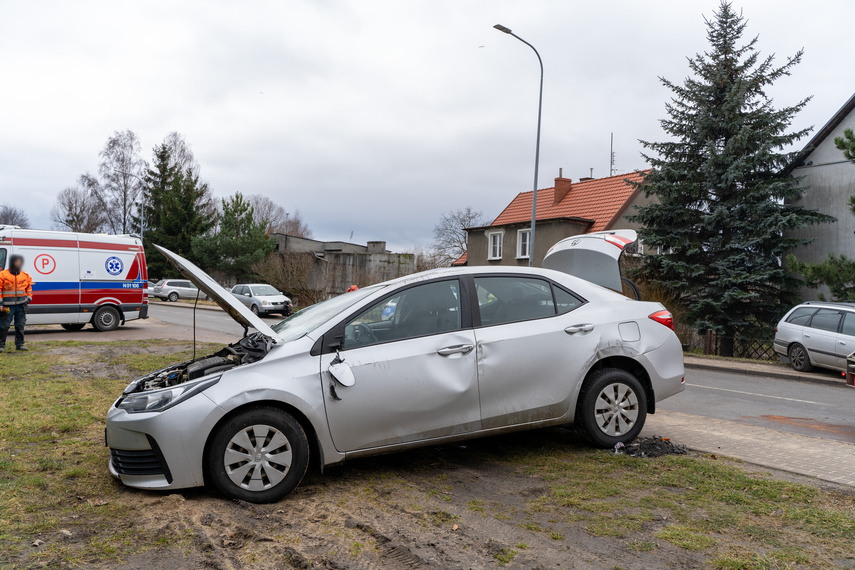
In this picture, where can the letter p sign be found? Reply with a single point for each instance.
(44, 264)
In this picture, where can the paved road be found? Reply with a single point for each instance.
(784, 405)
(205, 319)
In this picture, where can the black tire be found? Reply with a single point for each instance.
(73, 326)
(601, 383)
(254, 309)
(256, 421)
(106, 319)
(799, 358)
(172, 297)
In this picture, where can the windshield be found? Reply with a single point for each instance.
(264, 290)
(160, 283)
(300, 323)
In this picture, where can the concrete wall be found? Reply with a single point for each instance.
(546, 234)
(829, 180)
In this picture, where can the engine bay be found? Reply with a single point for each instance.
(247, 350)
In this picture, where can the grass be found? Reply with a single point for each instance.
(52, 454)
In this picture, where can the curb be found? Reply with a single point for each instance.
(185, 306)
(770, 374)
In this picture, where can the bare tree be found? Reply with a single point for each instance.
(278, 220)
(13, 216)
(182, 155)
(428, 259)
(120, 170)
(77, 209)
(449, 235)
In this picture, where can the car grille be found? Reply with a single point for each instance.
(140, 462)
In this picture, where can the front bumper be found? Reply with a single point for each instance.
(161, 450)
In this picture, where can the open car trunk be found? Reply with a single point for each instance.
(593, 257)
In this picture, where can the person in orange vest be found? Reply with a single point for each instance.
(16, 292)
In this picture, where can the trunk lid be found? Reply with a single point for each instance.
(593, 257)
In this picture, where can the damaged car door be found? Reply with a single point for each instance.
(534, 339)
(404, 379)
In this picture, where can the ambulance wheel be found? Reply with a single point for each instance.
(106, 319)
(73, 326)
(172, 297)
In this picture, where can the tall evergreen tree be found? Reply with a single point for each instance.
(722, 206)
(177, 208)
(239, 241)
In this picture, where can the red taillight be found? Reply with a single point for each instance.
(663, 317)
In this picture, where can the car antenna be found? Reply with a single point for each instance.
(194, 323)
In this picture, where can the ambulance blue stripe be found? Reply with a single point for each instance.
(74, 285)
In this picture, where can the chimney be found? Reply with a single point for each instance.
(562, 188)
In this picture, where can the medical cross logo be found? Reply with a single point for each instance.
(114, 266)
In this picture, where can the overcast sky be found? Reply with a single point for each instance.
(372, 117)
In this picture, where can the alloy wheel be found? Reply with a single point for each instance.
(798, 357)
(257, 457)
(616, 409)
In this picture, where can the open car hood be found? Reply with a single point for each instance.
(223, 298)
(593, 257)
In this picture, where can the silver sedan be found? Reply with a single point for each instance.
(467, 352)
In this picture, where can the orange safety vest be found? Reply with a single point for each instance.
(15, 289)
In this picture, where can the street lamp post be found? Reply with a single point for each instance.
(502, 28)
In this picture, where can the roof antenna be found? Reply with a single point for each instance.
(612, 156)
(591, 173)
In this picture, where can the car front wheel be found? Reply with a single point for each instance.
(612, 407)
(259, 455)
(799, 358)
(254, 309)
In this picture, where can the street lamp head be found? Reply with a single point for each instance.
(502, 28)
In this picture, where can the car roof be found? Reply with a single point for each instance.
(837, 304)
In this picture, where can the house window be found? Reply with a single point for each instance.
(494, 240)
(523, 243)
(663, 250)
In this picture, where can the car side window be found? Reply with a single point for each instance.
(826, 320)
(239, 290)
(565, 301)
(2, 259)
(801, 316)
(848, 324)
(428, 309)
(512, 299)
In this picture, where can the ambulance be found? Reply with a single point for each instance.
(80, 278)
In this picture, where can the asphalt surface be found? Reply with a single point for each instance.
(212, 320)
(793, 406)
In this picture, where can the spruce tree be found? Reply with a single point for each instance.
(239, 241)
(722, 207)
(177, 208)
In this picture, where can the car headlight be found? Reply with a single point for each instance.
(160, 400)
(265, 302)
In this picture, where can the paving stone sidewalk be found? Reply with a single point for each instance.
(771, 369)
(825, 459)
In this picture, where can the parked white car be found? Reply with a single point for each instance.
(467, 352)
(817, 334)
(262, 299)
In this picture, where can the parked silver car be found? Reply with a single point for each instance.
(174, 289)
(468, 352)
(262, 299)
(817, 334)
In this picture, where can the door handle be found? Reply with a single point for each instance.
(841, 343)
(573, 329)
(457, 349)
(807, 336)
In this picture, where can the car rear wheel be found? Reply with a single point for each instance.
(260, 455)
(799, 358)
(173, 297)
(612, 407)
(73, 326)
(106, 319)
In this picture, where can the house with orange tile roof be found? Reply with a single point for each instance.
(568, 208)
